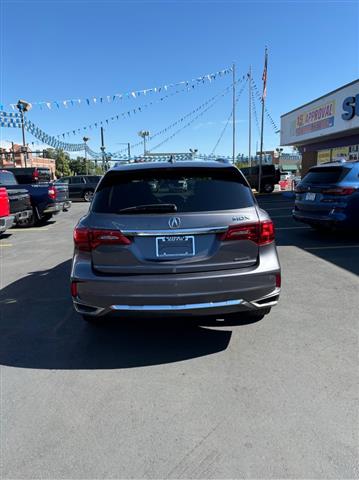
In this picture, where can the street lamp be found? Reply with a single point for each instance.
(23, 107)
(193, 151)
(143, 134)
(279, 151)
(86, 139)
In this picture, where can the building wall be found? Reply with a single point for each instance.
(15, 158)
(326, 116)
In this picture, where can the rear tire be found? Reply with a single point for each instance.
(267, 188)
(88, 195)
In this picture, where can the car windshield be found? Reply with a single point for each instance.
(325, 175)
(184, 191)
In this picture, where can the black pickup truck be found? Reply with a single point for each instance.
(270, 177)
(46, 199)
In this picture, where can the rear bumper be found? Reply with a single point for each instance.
(192, 294)
(58, 207)
(332, 218)
(24, 215)
(6, 222)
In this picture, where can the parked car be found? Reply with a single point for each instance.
(80, 186)
(6, 220)
(208, 249)
(30, 175)
(328, 196)
(270, 177)
(20, 203)
(46, 199)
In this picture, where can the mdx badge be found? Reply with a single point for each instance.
(240, 218)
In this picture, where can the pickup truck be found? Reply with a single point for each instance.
(6, 220)
(270, 177)
(46, 199)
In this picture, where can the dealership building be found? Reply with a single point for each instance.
(325, 129)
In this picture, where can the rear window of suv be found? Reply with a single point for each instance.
(191, 190)
(325, 175)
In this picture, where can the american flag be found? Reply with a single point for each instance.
(264, 76)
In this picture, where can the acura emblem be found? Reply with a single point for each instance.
(174, 222)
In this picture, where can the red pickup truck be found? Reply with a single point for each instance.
(6, 220)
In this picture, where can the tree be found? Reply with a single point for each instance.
(61, 161)
(62, 164)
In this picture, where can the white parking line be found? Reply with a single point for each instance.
(329, 247)
(279, 208)
(28, 229)
(5, 244)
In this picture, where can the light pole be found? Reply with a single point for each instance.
(86, 139)
(128, 148)
(279, 151)
(143, 134)
(23, 107)
(193, 152)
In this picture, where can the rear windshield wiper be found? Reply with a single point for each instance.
(156, 207)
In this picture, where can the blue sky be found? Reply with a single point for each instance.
(55, 50)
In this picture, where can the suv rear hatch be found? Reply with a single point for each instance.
(172, 220)
(321, 188)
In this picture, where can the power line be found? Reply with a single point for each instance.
(182, 119)
(229, 118)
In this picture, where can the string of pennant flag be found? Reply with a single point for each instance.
(124, 115)
(182, 119)
(58, 104)
(218, 97)
(269, 116)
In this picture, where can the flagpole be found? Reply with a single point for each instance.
(264, 94)
(234, 114)
(250, 116)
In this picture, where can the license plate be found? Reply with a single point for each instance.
(175, 246)
(310, 196)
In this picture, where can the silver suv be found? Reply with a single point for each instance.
(149, 247)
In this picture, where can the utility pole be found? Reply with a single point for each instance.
(102, 148)
(250, 116)
(234, 114)
(129, 150)
(23, 107)
(264, 94)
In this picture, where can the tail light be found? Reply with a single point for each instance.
(340, 191)
(74, 289)
(87, 239)
(260, 233)
(278, 280)
(52, 192)
(35, 175)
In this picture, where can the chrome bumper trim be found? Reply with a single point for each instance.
(182, 231)
(177, 308)
(6, 222)
(270, 302)
(87, 309)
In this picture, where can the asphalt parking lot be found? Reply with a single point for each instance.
(271, 399)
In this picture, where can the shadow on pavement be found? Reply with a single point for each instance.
(39, 329)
